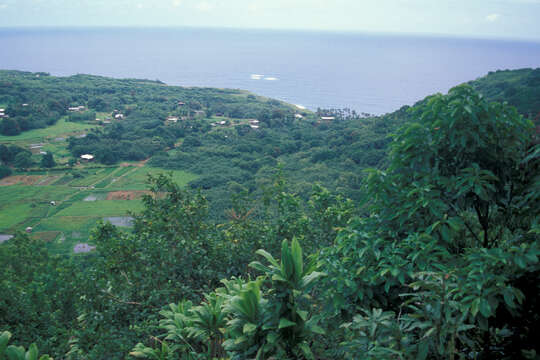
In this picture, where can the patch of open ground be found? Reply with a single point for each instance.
(121, 221)
(127, 195)
(20, 180)
(83, 248)
(46, 236)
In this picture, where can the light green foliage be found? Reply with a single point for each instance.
(13, 352)
(270, 317)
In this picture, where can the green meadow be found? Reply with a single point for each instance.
(61, 128)
(80, 201)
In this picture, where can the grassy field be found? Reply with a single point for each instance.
(62, 127)
(79, 195)
(72, 217)
(101, 208)
(136, 179)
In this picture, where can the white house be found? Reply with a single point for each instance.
(87, 157)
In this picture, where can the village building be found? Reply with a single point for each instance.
(75, 108)
(328, 118)
(298, 116)
(87, 157)
(181, 103)
(29, 229)
(254, 121)
(119, 116)
(172, 119)
(223, 122)
(254, 126)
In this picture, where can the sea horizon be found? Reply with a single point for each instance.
(374, 73)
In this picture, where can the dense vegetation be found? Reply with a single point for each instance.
(435, 257)
(520, 88)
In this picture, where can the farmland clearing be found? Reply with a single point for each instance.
(62, 205)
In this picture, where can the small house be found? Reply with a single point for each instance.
(254, 126)
(87, 157)
(172, 119)
(119, 116)
(223, 122)
(28, 229)
(298, 116)
(328, 118)
(53, 203)
(181, 103)
(254, 121)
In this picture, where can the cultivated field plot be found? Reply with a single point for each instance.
(62, 207)
(136, 179)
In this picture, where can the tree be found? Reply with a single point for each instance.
(23, 160)
(10, 127)
(464, 157)
(47, 161)
(451, 246)
(4, 171)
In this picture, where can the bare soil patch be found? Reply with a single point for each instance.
(21, 180)
(127, 195)
(46, 236)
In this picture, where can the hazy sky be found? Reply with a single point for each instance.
(478, 18)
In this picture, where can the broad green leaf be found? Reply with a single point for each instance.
(283, 323)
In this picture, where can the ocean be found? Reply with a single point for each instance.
(366, 72)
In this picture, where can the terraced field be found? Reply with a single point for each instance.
(63, 206)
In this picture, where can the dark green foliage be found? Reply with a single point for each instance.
(4, 171)
(85, 116)
(8, 153)
(10, 127)
(450, 248)
(520, 88)
(38, 294)
(438, 260)
(47, 161)
(23, 160)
